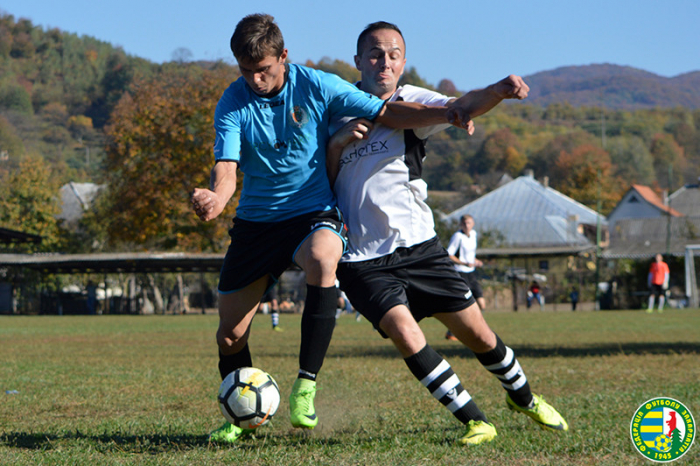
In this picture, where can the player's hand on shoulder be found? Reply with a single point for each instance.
(512, 87)
(352, 131)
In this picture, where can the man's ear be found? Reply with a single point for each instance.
(357, 62)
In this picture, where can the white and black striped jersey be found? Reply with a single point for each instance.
(379, 186)
(464, 248)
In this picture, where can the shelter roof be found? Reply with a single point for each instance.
(115, 263)
(8, 236)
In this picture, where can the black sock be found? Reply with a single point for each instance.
(438, 377)
(230, 362)
(502, 363)
(317, 323)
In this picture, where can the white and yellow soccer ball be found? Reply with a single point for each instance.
(249, 397)
(663, 443)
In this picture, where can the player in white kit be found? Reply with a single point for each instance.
(395, 271)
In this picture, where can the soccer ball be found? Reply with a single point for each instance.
(249, 397)
(663, 443)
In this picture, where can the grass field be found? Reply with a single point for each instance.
(117, 390)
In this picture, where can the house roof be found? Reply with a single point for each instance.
(652, 198)
(76, 198)
(636, 238)
(686, 200)
(528, 214)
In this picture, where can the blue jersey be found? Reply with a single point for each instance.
(279, 142)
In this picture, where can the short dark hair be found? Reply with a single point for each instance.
(257, 36)
(376, 27)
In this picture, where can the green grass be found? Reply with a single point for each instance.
(117, 390)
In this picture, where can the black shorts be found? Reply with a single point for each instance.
(268, 248)
(473, 282)
(657, 290)
(421, 277)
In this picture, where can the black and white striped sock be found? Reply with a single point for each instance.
(437, 376)
(502, 363)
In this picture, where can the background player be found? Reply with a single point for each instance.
(462, 251)
(657, 280)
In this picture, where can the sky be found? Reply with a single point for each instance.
(473, 43)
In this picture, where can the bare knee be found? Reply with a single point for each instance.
(319, 256)
(470, 328)
(231, 340)
(320, 269)
(403, 330)
(482, 341)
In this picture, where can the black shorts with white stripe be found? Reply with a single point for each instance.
(421, 277)
(267, 248)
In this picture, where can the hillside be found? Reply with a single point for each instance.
(75, 109)
(613, 86)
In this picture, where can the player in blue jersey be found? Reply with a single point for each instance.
(272, 124)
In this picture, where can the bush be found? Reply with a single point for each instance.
(16, 98)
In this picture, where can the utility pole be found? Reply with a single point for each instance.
(598, 209)
(668, 212)
(597, 247)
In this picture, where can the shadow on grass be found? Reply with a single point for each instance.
(452, 349)
(152, 443)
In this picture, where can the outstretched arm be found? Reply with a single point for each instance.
(209, 203)
(477, 102)
(409, 115)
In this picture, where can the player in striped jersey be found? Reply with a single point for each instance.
(395, 271)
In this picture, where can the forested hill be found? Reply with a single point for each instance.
(77, 109)
(613, 87)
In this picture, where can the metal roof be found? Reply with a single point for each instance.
(529, 214)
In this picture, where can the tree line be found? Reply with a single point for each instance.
(77, 109)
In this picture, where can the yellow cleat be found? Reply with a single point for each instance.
(478, 432)
(301, 404)
(228, 433)
(541, 412)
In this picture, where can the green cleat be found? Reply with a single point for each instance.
(542, 413)
(228, 433)
(301, 404)
(277, 329)
(479, 432)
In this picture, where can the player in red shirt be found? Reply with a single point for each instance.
(658, 282)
